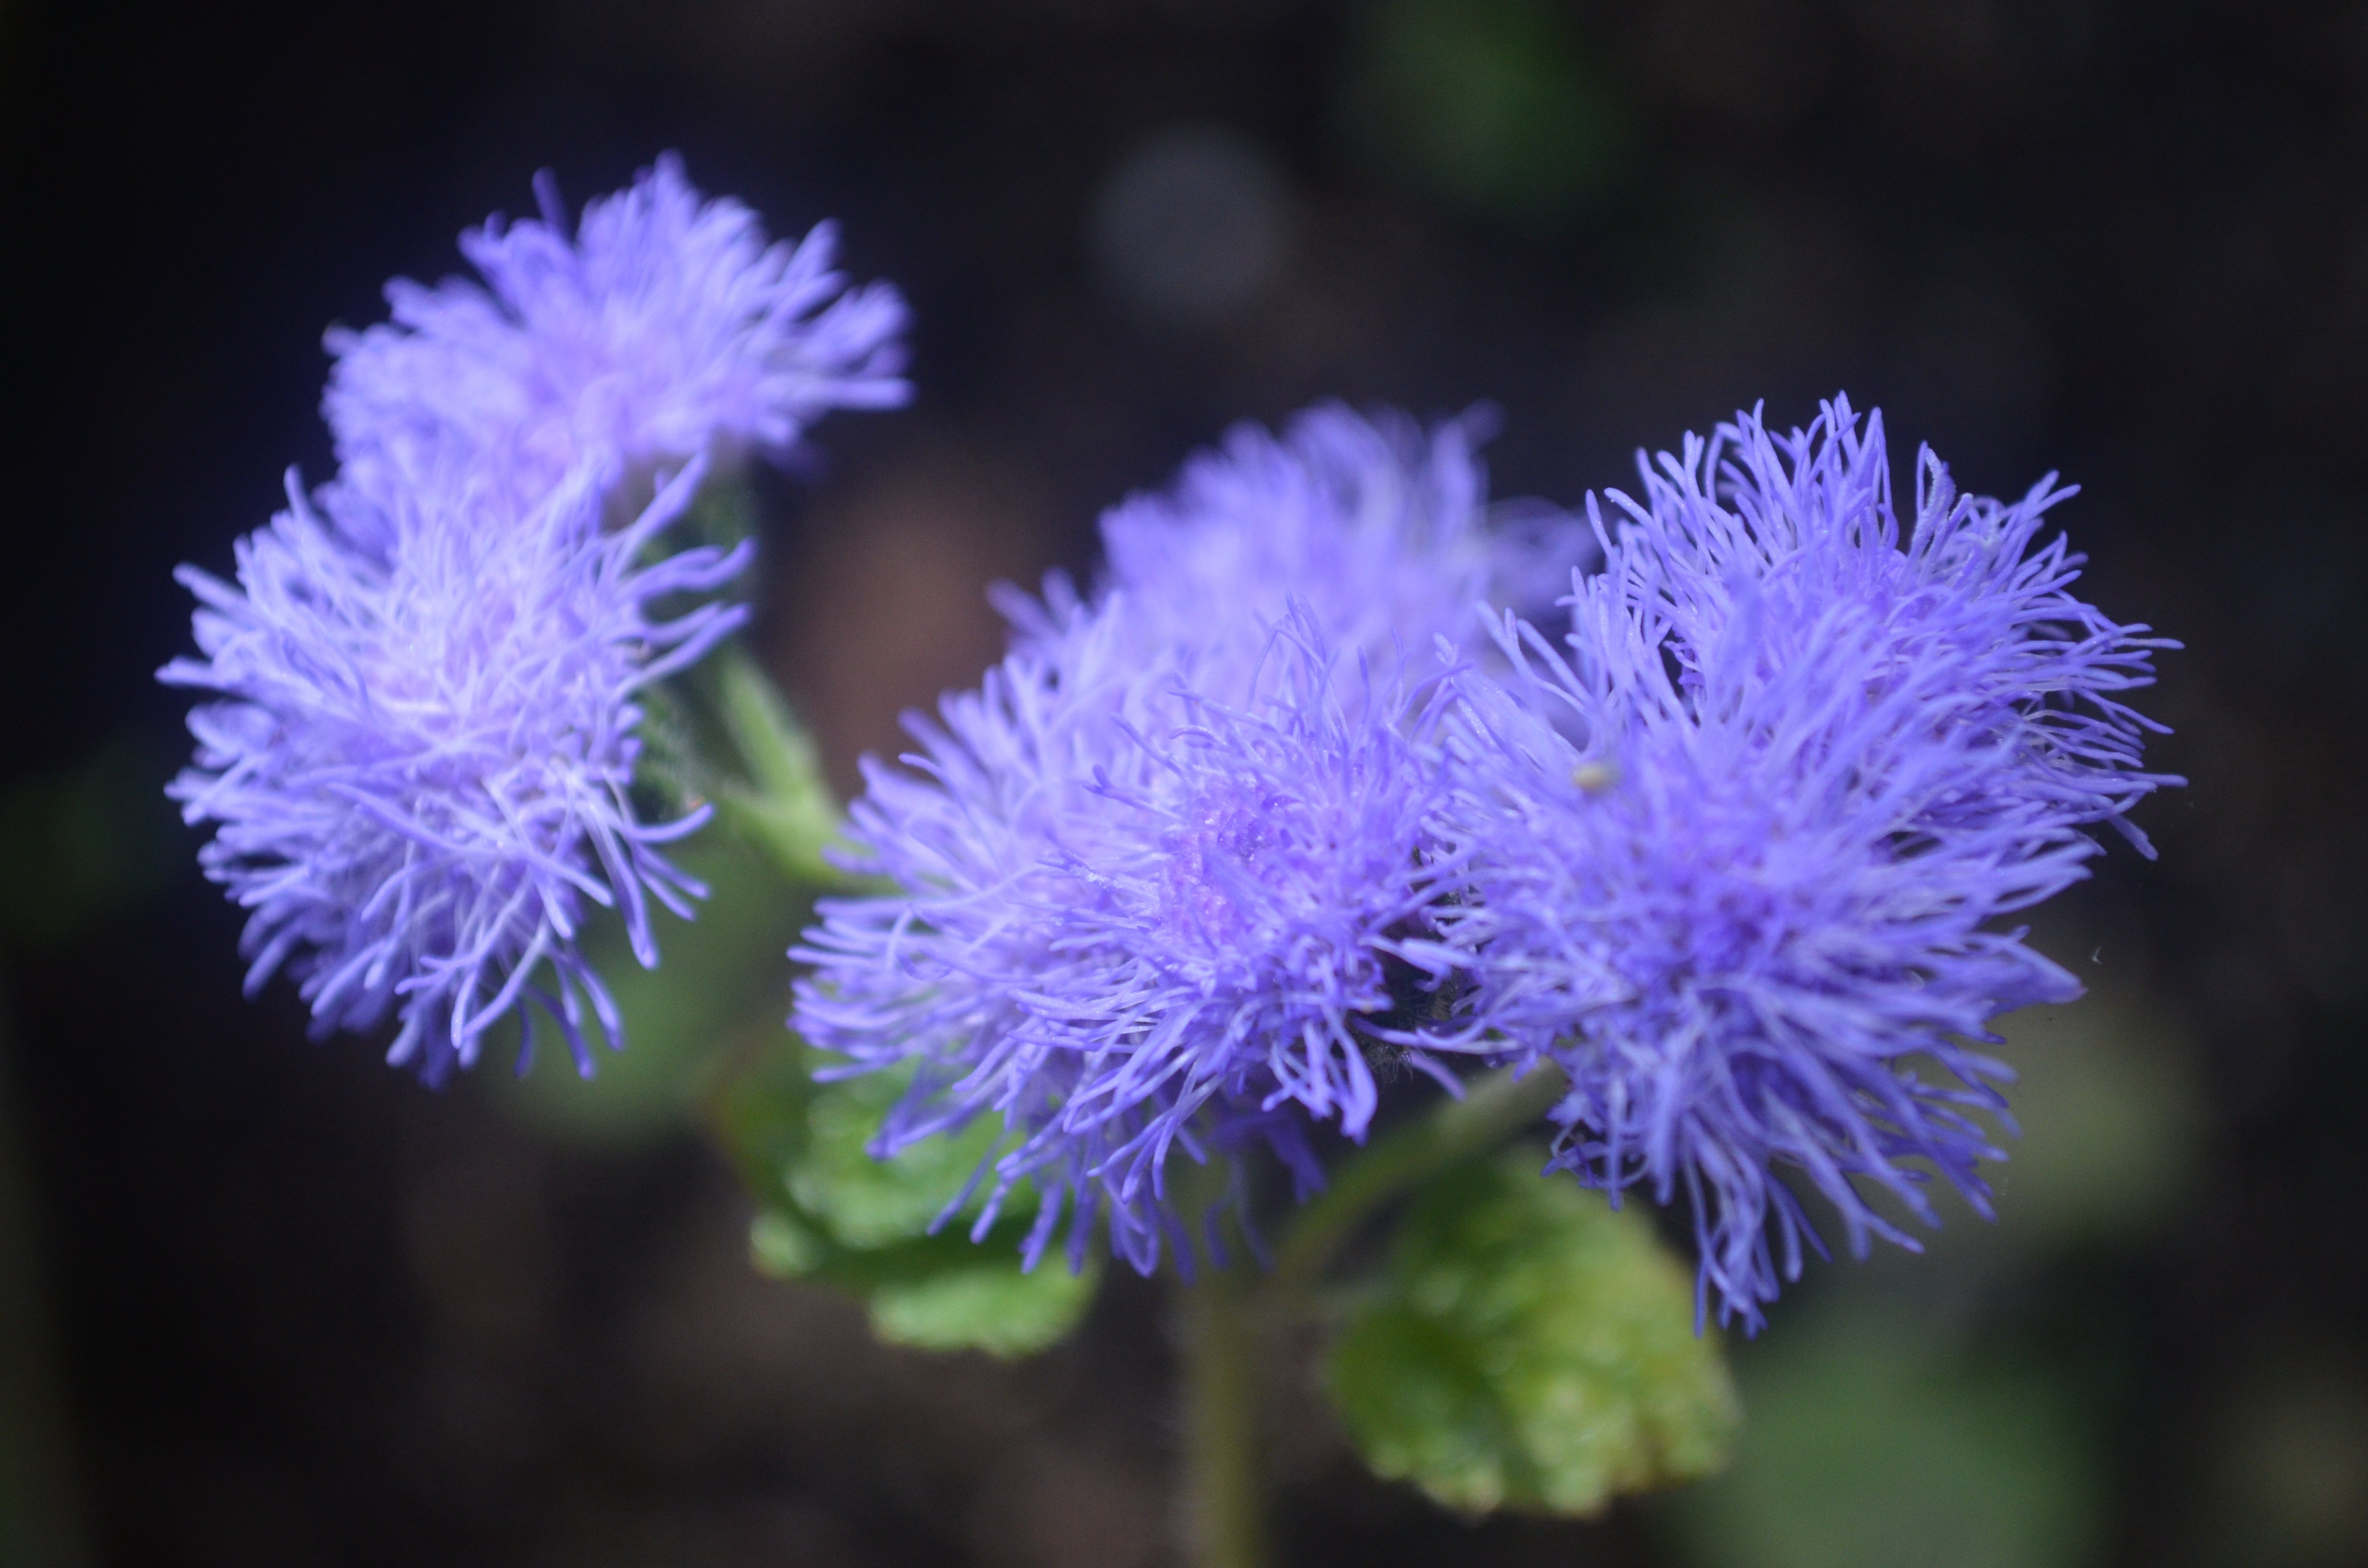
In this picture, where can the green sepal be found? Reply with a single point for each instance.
(784, 806)
(830, 1212)
(1530, 1347)
(724, 734)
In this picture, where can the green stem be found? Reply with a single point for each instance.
(1491, 1110)
(1222, 1312)
(786, 806)
(1224, 1492)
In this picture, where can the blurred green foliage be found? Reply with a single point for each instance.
(783, 805)
(832, 1212)
(2110, 1118)
(1492, 104)
(1531, 1347)
(1870, 1447)
(721, 735)
(85, 843)
(720, 974)
(1895, 1415)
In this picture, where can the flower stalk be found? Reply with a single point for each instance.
(1224, 1314)
(1223, 1490)
(1492, 1111)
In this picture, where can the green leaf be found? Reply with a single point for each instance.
(989, 1305)
(1530, 1347)
(868, 1203)
(783, 1247)
(725, 512)
(831, 1213)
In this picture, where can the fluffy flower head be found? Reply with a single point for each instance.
(419, 764)
(1738, 860)
(665, 328)
(1132, 917)
(1769, 541)
(1382, 529)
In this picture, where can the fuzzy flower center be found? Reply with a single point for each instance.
(1216, 856)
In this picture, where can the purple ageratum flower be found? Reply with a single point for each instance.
(1163, 878)
(1132, 918)
(419, 770)
(667, 328)
(1738, 864)
(1382, 529)
(1802, 527)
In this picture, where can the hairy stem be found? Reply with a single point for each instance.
(1225, 1493)
(1493, 1110)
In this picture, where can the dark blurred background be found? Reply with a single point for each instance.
(264, 1301)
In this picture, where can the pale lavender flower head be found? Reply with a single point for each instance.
(1134, 919)
(1738, 863)
(419, 768)
(1383, 530)
(667, 328)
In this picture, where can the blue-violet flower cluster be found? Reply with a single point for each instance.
(1278, 807)
(420, 757)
